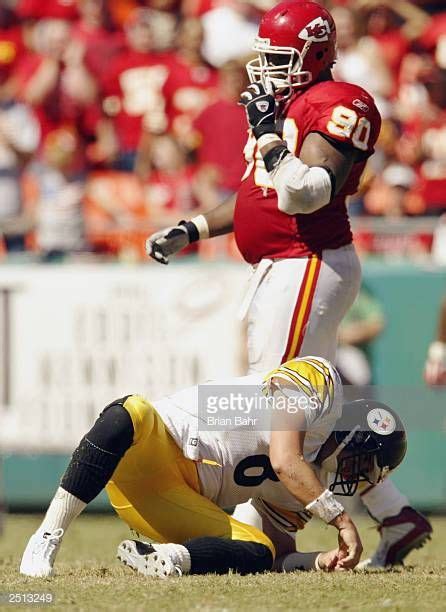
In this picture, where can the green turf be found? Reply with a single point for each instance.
(89, 578)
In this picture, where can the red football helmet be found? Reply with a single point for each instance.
(296, 42)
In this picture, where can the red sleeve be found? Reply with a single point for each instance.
(345, 113)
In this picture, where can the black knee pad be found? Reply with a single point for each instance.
(113, 430)
(99, 452)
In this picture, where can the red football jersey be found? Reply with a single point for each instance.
(345, 113)
(188, 89)
(133, 95)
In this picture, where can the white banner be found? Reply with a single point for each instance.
(73, 338)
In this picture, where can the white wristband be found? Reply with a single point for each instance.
(202, 226)
(326, 507)
(266, 139)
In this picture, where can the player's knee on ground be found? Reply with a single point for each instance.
(211, 555)
(99, 452)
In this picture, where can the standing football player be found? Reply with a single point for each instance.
(309, 140)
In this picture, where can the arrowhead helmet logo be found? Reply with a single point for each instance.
(262, 106)
(316, 31)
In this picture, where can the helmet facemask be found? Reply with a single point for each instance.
(362, 461)
(283, 77)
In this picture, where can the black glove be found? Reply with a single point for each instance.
(169, 241)
(260, 109)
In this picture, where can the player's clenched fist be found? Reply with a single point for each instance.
(167, 242)
(260, 109)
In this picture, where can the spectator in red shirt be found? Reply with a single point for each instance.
(133, 90)
(423, 144)
(192, 82)
(54, 80)
(220, 159)
(96, 32)
(170, 188)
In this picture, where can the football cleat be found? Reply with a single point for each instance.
(40, 553)
(145, 559)
(400, 535)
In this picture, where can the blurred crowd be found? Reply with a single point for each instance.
(121, 116)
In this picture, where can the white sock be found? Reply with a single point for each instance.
(179, 555)
(63, 509)
(384, 500)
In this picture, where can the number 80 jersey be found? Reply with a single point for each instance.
(344, 113)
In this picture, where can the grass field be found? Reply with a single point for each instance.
(89, 577)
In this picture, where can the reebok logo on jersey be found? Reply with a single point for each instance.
(361, 105)
(315, 31)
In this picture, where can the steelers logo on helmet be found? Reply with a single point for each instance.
(381, 421)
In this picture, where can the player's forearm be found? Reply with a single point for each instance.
(298, 477)
(161, 245)
(220, 219)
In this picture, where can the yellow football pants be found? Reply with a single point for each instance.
(155, 488)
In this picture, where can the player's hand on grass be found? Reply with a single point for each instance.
(260, 108)
(350, 546)
(328, 560)
(169, 241)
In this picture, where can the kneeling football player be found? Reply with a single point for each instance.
(169, 477)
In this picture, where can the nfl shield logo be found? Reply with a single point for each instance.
(262, 106)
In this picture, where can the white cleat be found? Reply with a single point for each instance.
(40, 553)
(145, 559)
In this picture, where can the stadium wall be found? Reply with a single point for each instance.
(75, 337)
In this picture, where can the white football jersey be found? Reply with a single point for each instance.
(226, 425)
